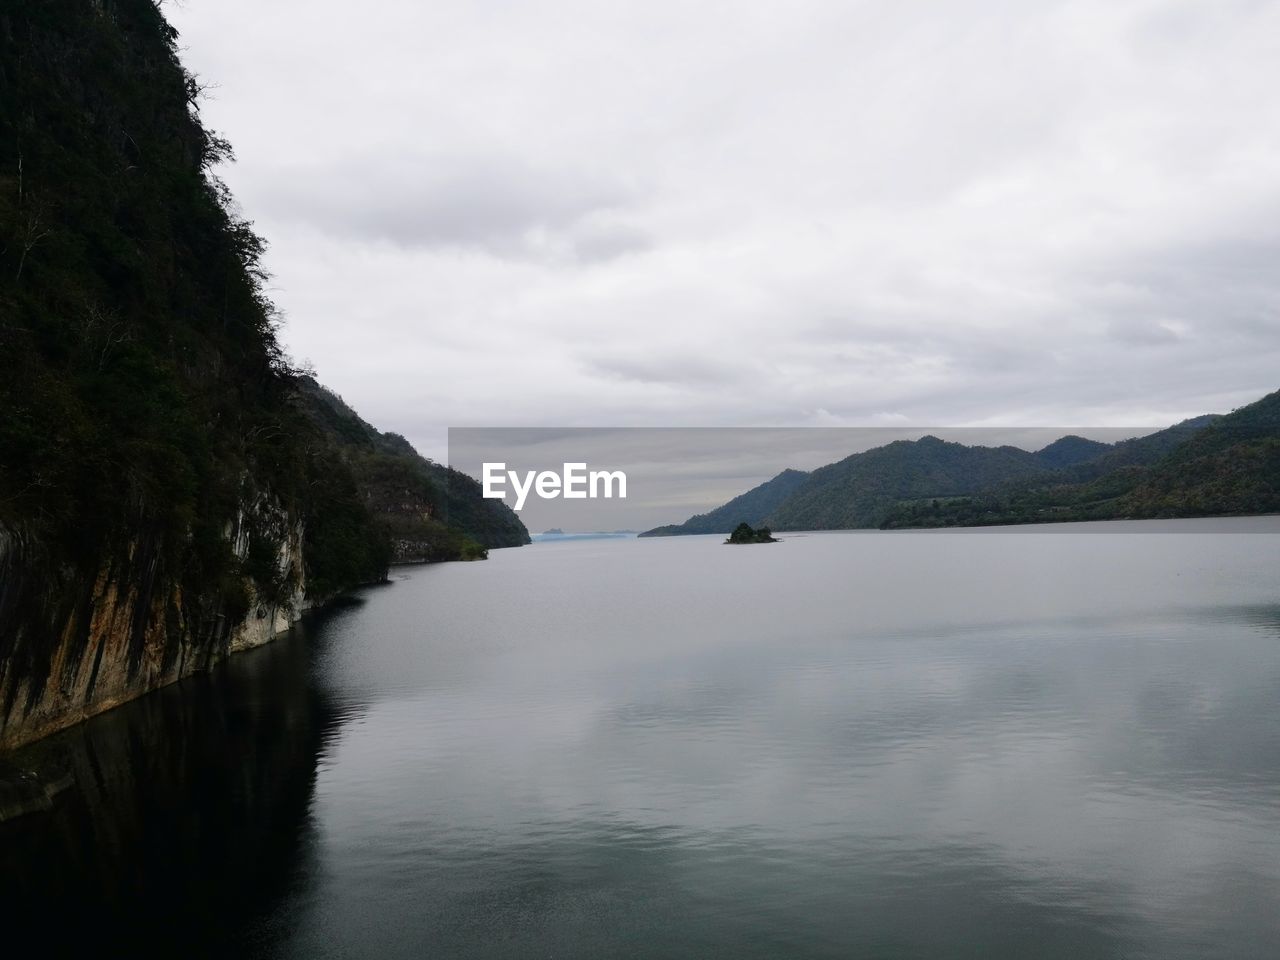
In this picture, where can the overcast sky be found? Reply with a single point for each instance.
(735, 213)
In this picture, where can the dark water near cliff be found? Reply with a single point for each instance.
(1031, 744)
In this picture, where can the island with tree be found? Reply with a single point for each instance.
(745, 533)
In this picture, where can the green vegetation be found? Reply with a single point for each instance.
(143, 386)
(744, 533)
(1207, 466)
(861, 490)
(1211, 466)
(1069, 450)
(428, 511)
(151, 425)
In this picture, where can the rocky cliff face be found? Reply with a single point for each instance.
(83, 642)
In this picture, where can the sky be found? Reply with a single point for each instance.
(801, 213)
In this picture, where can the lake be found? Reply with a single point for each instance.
(1003, 744)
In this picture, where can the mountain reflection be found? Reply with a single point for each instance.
(189, 817)
(615, 749)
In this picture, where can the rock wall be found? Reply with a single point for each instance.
(74, 643)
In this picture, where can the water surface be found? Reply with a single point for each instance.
(1048, 743)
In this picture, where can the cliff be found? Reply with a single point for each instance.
(95, 637)
(166, 498)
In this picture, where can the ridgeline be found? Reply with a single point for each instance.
(1207, 466)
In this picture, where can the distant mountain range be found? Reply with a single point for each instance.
(1208, 466)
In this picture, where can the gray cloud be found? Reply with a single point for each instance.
(671, 369)
(821, 213)
(1139, 332)
(496, 203)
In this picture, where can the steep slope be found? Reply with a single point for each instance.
(750, 507)
(1229, 466)
(1239, 480)
(861, 490)
(1259, 420)
(429, 511)
(1137, 451)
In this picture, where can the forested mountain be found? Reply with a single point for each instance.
(166, 494)
(1137, 451)
(430, 511)
(1210, 466)
(751, 508)
(1070, 450)
(1207, 466)
(860, 490)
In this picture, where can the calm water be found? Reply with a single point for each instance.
(1031, 744)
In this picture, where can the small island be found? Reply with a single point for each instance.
(743, 533)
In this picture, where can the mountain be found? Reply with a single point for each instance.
(429, 511)
(1138, 451)
(1230, 465)
(169, 491)
(862, 489)
(1070, 450)
(1208, 466)
(1259, 420)
(751, 508)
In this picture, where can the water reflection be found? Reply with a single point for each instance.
(189, 819)
(844, 746)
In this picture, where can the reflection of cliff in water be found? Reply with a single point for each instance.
(188, 819)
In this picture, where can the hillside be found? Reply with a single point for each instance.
(1071, 450)
(165, 499)
(1209, 466)
(428, 510)
(1137, 451)
(751, 507)
(861, 490)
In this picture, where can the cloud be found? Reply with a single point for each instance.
(1142, 333)
(499, 204)
(672, 369)
(981, 211)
